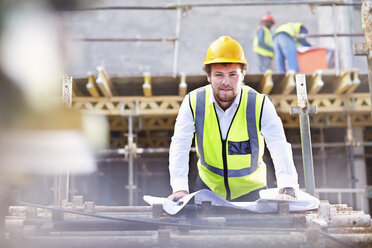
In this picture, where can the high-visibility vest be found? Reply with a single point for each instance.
(268, 40)
(291, 28)
(232, 167)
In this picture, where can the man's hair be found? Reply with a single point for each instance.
(208, 68)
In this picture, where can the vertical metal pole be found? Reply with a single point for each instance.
(367, 20)
(307, 154)
(63, 178)
(349, 139)
(130, 161)
(324, 163)
(176, 43)
(337, 56)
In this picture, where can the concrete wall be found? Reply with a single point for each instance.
(199, 27)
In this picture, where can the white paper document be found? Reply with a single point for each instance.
(266, 204)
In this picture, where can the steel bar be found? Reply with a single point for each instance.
(176, 43)
(166, 39)
(324, 160)
(221, 4)
(331, 35)
(215, 241)
(120, 151)
(160, 222)
(350, 220)
(64, 178)
(367, 20)
(339, 240)
(98, 225)
(349, 138)
(86, 242)
(131, 186)
(259, 3)
(125, 8)
(104, 233)
(337, 56)
(307, 155)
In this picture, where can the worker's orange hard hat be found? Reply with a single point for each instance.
(268, 17)
(225, 50)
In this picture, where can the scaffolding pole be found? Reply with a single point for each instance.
(223, 4)
(176, 42)
(365, 49)
(303, 109)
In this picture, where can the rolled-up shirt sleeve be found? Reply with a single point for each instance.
(280, 149)
(180, 147)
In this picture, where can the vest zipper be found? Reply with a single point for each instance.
(225, 170)
(224, 156)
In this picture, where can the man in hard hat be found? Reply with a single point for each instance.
(230, 122)
(263, 43)
(285, 45)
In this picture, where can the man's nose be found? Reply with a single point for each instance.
(225, 81)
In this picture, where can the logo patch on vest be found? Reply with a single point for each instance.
(239, 148)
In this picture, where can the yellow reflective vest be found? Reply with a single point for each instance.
(291, 28)
(268, 40)
(232, 167)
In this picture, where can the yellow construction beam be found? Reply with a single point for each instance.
(182, 88)
(287, 84)
(104, 83)
(169, 105)
(92, 87)
(355, 82)
(341, 84)
(147, 90)
(316, 83)
(266, 83)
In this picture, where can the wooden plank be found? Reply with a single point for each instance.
(266, 83)
(147, 88)
(92, 87)
(355, 81)
(340, 84)
(287, 84)
(102, 74)
(103, 87)
(315, 83)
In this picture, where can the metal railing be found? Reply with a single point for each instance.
(362, 193)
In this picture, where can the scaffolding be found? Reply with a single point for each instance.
(158, 112)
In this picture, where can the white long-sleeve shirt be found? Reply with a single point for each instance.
(271, 129)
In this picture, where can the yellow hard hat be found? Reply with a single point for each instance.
(225, 50)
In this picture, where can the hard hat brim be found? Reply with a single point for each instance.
(219, 60)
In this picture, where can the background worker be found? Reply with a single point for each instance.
(285, 45)
(263, 43)
(230, 122)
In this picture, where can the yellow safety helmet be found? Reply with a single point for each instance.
(225, 50)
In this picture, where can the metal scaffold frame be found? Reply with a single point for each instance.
(164, 109)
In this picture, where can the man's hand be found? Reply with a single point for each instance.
(178, 195)
(287, 193)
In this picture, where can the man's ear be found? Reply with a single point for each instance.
(209, 78)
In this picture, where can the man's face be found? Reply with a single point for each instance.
(226, 81)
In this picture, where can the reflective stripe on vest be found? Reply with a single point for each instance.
(268, 40)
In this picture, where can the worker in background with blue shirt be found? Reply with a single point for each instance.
(263, 43)
(285, 45)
